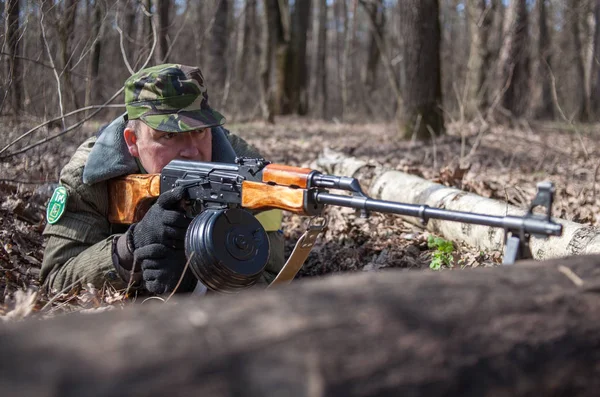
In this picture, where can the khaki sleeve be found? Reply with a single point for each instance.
(79, 244)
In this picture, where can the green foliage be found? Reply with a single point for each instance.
(442, 256)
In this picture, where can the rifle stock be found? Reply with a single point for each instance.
(131, 196)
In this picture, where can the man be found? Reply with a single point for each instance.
(168, 117)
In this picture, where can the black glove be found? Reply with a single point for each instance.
(158, 245)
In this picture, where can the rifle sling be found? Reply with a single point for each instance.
(299, 254)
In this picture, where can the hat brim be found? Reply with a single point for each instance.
(184, 121)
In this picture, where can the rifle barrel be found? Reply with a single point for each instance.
(532, 224)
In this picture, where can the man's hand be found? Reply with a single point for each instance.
(158, 245)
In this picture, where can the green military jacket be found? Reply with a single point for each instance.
(79, 244)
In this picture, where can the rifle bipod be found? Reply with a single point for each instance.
(516, 242)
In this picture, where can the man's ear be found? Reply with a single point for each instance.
(131, 141)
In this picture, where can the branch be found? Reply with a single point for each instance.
(50, 138)
(39, 63)
(382, 46)
(60, 105)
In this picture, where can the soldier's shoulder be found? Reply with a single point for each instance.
(72, 172)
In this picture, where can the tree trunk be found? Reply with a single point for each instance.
(244, 40)
(199, 30)
(219, 37)
(545, 104)
(282, 37)
(269, 27)
(66, 29)
(349, 34)
(15, 73)
(420, 113)
(129, 28)
(513, 65)
(320, 64)
(297, 83)
(144, 34)
(480, 18)
(397, 186)
(595, 67)
(376, 11)
(93, 89)
(523, 330)
(162, 22)
(572, 17)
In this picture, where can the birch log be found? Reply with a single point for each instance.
(399, 186)
(529, 330)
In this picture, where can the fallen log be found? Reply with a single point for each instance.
(577, 239)
(523, 330)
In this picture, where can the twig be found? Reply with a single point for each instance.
(60, 104)
(594, 182)
(434, 145)
(413, 138)
(56, 296)
(37, 127)
(23, 182)
(187, 264)
(86, 51)
(106, 104)
(562, 114)
(154, 35)
(50, 138)
(571, 275)
(39, 63)
(123, 53)
(187, 14)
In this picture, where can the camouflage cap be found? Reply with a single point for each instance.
(171, 98)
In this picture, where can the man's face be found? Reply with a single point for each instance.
(156, 149)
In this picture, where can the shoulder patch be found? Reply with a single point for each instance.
(56, 206)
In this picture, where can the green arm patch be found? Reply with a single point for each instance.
(56, 206)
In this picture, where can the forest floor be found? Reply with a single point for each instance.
(492, 161)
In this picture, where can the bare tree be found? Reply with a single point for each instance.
(269, 22)
(66, 28)
(512, 74)
(341, 55)
(319, 69)
(480, 16)
(130, 24)
(595, 67)
(14, 64)
(244, 40)
(544, 103)
(282, 38)
(420, 112)
(144, 32)
(219, 37)
(297, 81)
(93, 90)
(346, 70)
(162, 8)
(573, 13)
(376, 11)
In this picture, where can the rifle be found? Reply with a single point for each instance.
(228, 248)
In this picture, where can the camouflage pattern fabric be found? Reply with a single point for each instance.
(171, 98)
(79, 245)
